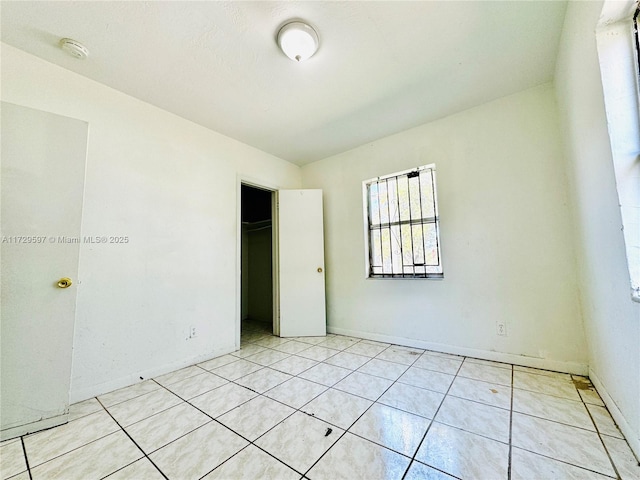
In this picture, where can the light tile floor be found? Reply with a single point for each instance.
(329, 408)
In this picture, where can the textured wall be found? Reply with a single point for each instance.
(171, 186)
(505, 230)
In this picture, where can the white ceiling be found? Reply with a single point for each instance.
(382, 67)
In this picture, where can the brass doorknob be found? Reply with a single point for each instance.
(319, 269)
(64, 282)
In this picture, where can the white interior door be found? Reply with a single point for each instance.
(301, 263)
(43, 166)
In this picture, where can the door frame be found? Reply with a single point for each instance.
(259, 184)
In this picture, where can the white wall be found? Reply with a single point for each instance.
(612, 319)
(505, 231)
(170, 186)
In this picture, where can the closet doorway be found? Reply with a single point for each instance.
(257, 292)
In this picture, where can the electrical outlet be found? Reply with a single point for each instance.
(190, 333)
(501, 329)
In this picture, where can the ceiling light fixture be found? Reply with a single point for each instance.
(298, 41)
(74, 48)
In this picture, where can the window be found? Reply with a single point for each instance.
(620, 73)
(401, 220)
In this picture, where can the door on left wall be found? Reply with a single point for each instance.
(42, 177)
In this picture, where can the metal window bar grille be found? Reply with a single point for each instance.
(403, 225)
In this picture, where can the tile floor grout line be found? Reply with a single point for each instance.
(581, 467)
(397, 381)
(134, 442)
(297, 374)
(512, 387)
(495, 383)
(374, 402)
(69, 451)
(276, 458)
(256, 371)
(430, 352)
(306, 403)
(377, 401)
(435, 414)
(549, 394)
(365, 398)
(194, 365)
(327, 388)
(378, 376)
(485, 362)
(606, 450)
(299, 409)
(211, 418)
(510, 428)
(156, 413)
(316, 360)
(572, 426)
(344, 432)
(477, 402)
(187, 401)
(483, 435)
(132, 398)
(215, 419)
(556, 421)
(252, 442)
(218, 466)
(392, 384)
(296, 410)
(26, 460)
(542, 374)
(324, 361)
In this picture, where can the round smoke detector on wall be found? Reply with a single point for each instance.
(74, 48)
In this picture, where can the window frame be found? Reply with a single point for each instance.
(435, 220)
(619, 60)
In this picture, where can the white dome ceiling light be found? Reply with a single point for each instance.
(298, 41)
(74, 48)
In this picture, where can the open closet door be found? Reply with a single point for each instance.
(301, 263)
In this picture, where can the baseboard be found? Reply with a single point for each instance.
(618, 417)
(132, 379)
(575, 368)
(21, 430)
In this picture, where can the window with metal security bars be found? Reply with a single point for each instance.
(401, 223)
